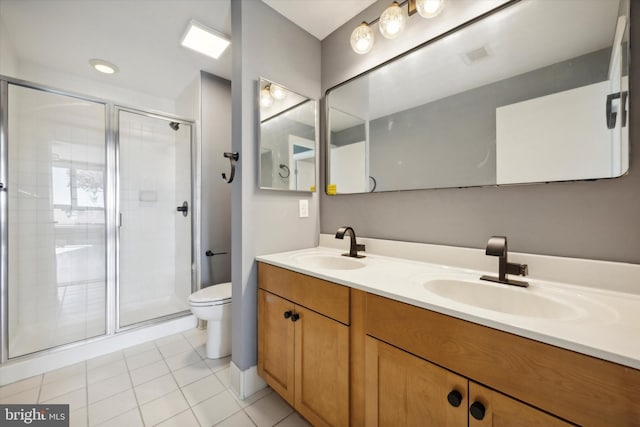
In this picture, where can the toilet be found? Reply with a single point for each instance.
(213, 304)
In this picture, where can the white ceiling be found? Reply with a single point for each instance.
(319, 17)
(141, 37)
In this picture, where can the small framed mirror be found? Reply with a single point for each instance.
(287, 138)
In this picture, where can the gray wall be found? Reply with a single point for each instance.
(215, 107)
(451, 142)
(596, 220)
(265, 44)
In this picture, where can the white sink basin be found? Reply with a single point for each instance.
(328, 261)
(503, 298)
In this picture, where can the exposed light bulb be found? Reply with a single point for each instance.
(392, 21)
(277, 92)
(266, 100)
(429, 8)
(362, 39)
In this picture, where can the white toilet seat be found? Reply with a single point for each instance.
(212, 295)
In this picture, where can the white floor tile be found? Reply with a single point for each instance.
(149, 372)
(239, 419)
(27, 396)
(104, 372)
(215, 409)
(175, 347)
(60, 387)
(293, 420)
(78, 418)
(111, 407)
(156, 388)
(196, 337)
(144, 358)
(109, 387)
(191, 373)
(223, 376)
(20, 386)
(163, 408)
(128, 419)
(183, 359)
(269, 410)
(202, 389)
(183, 419)
(63, 373)
(218, 364)
(253, 398)
(76, 399)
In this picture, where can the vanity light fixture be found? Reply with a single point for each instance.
(277, 92)
(271, 93)
(392, 22)
(204, 40)
(103, 66)
(266, 100)
(362, 39)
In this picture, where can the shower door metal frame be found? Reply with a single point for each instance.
(111, 215)
(195, 207)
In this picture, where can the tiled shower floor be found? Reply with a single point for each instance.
(167, 382)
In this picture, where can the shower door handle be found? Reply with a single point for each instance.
(184, 208)
(2, 188)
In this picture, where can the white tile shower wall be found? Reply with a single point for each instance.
(147, 245)
(47, 128)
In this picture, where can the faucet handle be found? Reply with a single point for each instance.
(524, 270)
(360, 247)
(497, 246)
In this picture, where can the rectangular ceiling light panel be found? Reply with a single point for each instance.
(204, 40)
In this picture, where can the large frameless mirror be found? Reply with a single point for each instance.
(288, 124)
(535, 91)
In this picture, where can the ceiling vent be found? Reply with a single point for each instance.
(475, 55)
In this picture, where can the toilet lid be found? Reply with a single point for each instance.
(214, 293)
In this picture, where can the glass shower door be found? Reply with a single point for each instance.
(154, 251)
(56, 219)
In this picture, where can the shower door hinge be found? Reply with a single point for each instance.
(120, 219)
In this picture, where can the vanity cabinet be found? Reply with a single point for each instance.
(303, 343)
(402, 389)
(518, 381)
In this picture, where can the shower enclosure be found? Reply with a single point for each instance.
(96, 218)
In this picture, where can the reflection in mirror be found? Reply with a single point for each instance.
(536, 91)
(287, 139)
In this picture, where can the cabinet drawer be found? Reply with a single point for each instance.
(326, 298)
(579, 388)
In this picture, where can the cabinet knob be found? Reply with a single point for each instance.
(287, 314)
(295, 317)
(455, 398)
(477, 410)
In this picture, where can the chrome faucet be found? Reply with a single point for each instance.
(497, 246)
(353, 246)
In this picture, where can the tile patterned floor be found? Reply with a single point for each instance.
(168, 382)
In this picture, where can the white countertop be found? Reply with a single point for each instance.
(600, 323)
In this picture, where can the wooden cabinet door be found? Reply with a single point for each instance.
(503, 411)
(322, 369)
(275, 343)
(404, 390)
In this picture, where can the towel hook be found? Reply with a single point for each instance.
(286, 170)
(233, 158)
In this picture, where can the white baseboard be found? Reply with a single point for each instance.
(245, 383)
(15, 370)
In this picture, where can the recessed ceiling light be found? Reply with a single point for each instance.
(103, 66)
(204, 40)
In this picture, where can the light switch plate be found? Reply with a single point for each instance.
(303, 208)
